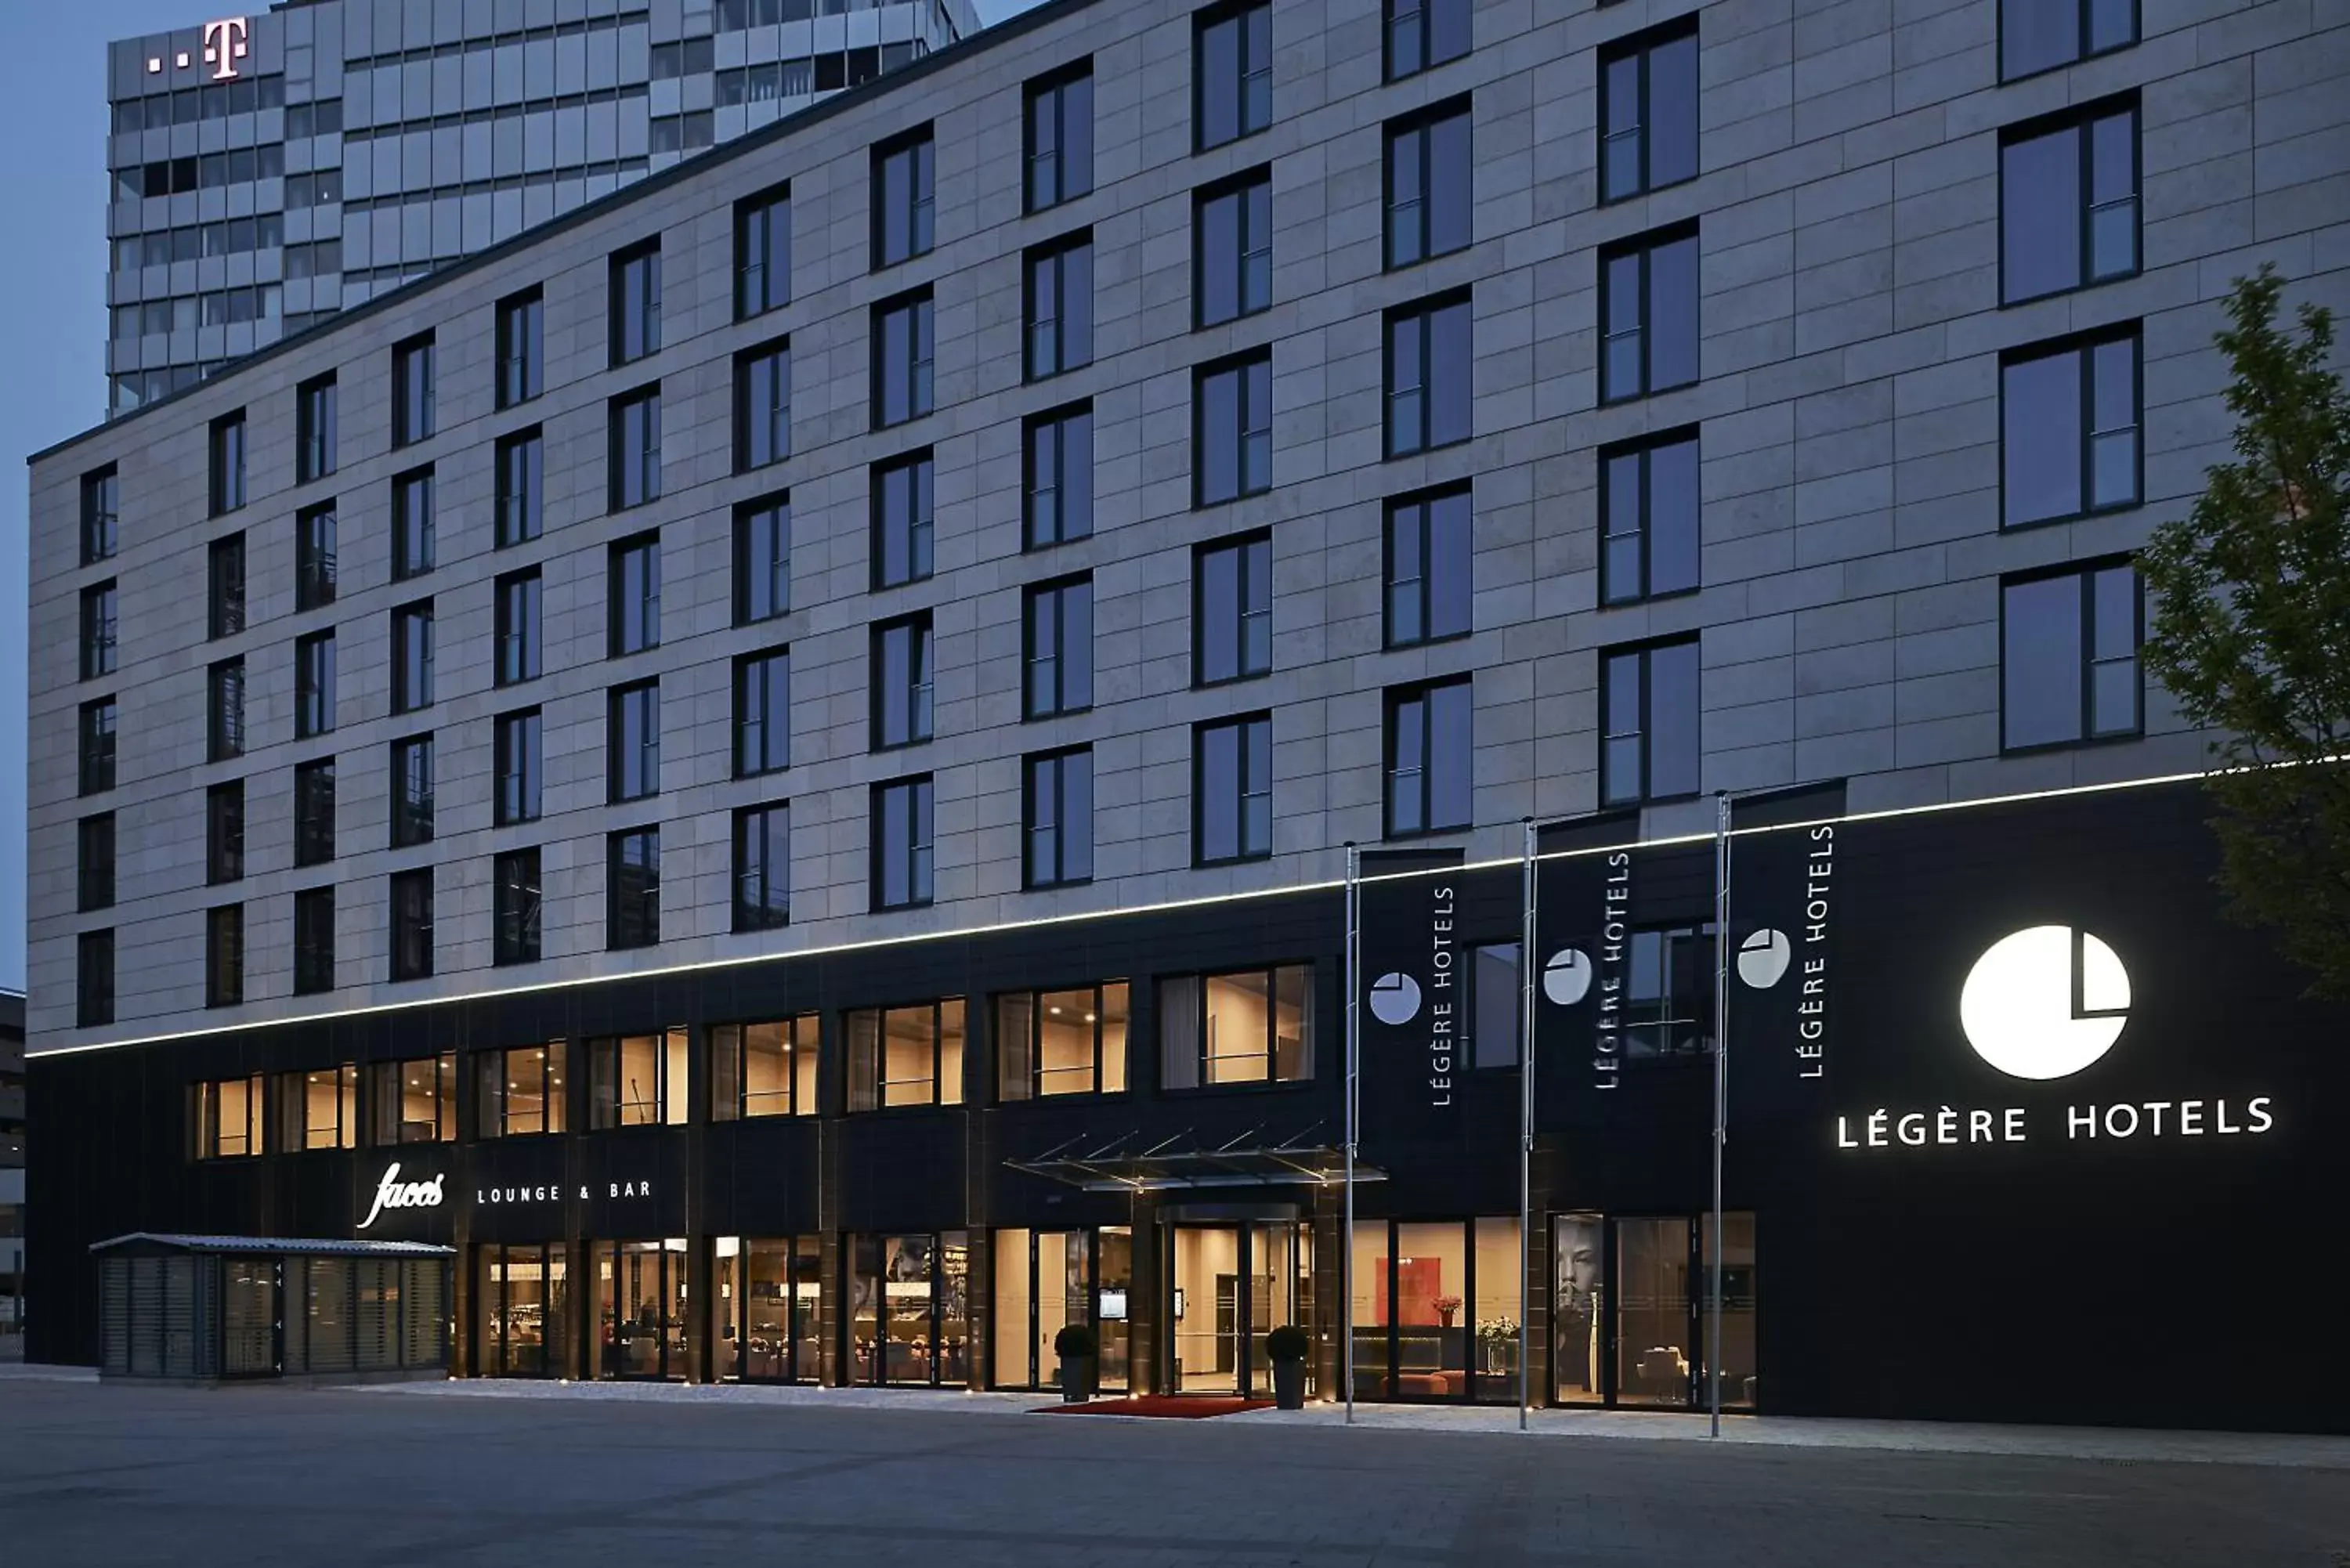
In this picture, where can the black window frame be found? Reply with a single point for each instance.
(752, 886)
(2084, 344)
(93, 979)
(1644, 452)
(2086, 625)
(772, 515)
(624, 408)
(1251, 191)
(1640, 50)
(415, 546)
(921, 468)
(520, 346)
(314, 940)
(412, 789)
(634, 293)
(1245, 576)
(316, 434)
(517, 907)
(762, 252)
(519, 490)
(647, 765)
(408, 902)
(412, 657)
(1418, 21)
(2080, 122)
(919, 372)
(1421, 322)
(865, 1031)
(919, 847)
(518, 782)
(2087, 10)
(1058, 273)
(1244, 14)
(1244, 779)
(98, 745)
(225, 710)
(224, 587)
(762, 433)
(101, 629)
(919, 219)
(919, 695)
(1048, 812)
(632, 901)
(763, 720)
(1065, 166)
(731, 1098)
(1247, 367)
(316, 549)
(226, 445)
(1645, 652)
(1419, 130)
(518, 645)
(1049, 603)
(1069, 497)
(1417, 511)
(636, 559)
(311, 804)
(1195, 1077)
(101, 515)
(1019, 1066)
(1646, 246)
(314, 684)
(224, 955)
(94, 863)
(415, 412)
(1421, 768)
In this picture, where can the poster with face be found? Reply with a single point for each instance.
(1576, 1304)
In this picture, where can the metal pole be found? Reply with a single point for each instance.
(1722, 939)
(1353, 1024)
(1526, 963)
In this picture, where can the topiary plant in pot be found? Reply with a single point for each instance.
(1288, 1347)
(1076, 1347)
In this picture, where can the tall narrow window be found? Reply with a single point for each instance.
(901, 825)
(636, 289)
(413, 413)
(228, 462)
(1648, 111)
(225, 956)
(521, 348)
(1057, 816)
(225, 681)
(901, 520)
(1431, 364)
(516, 922)
(1424, 33)
(314, 812)
(1060, 306)
(1060, 134)
(1648, 723)
(94, 863)
(2071, 429)
(1231, 609)
(635, 448)
(2069, 656)
(762, 712)
(411, 790)
(519, 645)
(2037, 36)
(1649, 539)
(1232, 435)
(1648, 313)
(2068, 200)
(315, 435)
(1232, 248)
(902, 353)
(1431, 180)
(902, 202)
(1430, 550)
(412, 657)
(1430, 758)
(762, 867)
(411, 924)
(93, 979)
(633, 888)
(413, 546)
(1057, 651)
(225, 584)
(1058, 493)
(632, 740)
(1061, 1042)
(763, 405)
(762, 253)
(97, 745)
(521, 485)
(1231, 72)
(315, 546)
(1231, 789)
(224, 832)
(634, 579)
(314, 940)
(901, 678)
(518, 741)
(314, 684)
(100, 629)
(100, 504)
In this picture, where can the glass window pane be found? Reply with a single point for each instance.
(2040, 219)
(1451, 771)
(2037, 34)
(1451, 555)
(2043, 438)
(1452, 187)
(1674, 722)
(1673, 306)
(1672, 111)
(2041, 661)
(1673, 518)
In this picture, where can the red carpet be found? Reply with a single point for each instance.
(1182, 1406)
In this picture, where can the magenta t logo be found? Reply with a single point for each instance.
(224, 45)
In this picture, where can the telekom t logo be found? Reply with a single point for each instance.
(224, 45)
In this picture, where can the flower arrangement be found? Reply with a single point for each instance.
(1498, 1330)
(1445, 1307)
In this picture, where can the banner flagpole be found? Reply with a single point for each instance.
(1721, 940)
(1354, 1064)
(1527, 959)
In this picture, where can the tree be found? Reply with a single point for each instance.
(2251, 630)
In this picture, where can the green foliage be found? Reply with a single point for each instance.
(1287, 1343)
(2251, 631)
(1075, 1342)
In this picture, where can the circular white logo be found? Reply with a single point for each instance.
(1762, 959)
(1566, 978)
(1395, 999)
(2045, 1002)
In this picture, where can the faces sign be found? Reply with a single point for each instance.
(391, 1192)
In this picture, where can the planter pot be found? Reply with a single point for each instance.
(1077, 1378)
(1289, 1385)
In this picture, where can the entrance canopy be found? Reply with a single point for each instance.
(145, 1241)
(1126, 1164)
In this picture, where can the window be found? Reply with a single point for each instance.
(514, 898)
(225, 956)
(1231, 439)
(412, 544)
(1425, 33)
(764, 1069)
(411, 790)
(1232, 248)
(1496, 990)
(518, 639)
(225, 682)
(96, 746)
(2068, 202)
(314, 684)
(901, 198)
(763, 720)
(906, 1055)
(2070, 435)
(1252, 1027)
(2040, 35)
(1061, 1042)
(635, 618)
(762, 406)
(901, 358)
(100, 500)
(411, 924)
(1060, 306)
(98, 626)
(1058, 648)
(901, 520)
(1431, 183)
(1231, 789)
(228, 1118)
(636, 455)
(94, 863)
(1231, 609)
(314, 557)
(633, 726)
(1430, 758)
(228, 462)
(519, 743)
(224, 832)
(1668, 993)
(413, 1101)
(1057, 812)
(319, 1109)
(1060, 137)
(762, 867)
(638, 1080)
(519, 1090)
(314, 940)
(763, 560)
(902, 843)
(412, 657)
(1429, 549)
(315, 435)
(93, 979)
(521, 486)
(521, 348)
(902, 675)
(1429, 367)
(1648, 722)
(1231, 72)
(762, 253)
(1648, 545)
(2068, 657)
(1058, 493)
(413, 415)
(1648, 310)
(314, 812)
(1648, 111)
(636, 286)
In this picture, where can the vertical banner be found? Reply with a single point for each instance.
(1783, 926)
(1583, 988)
(1413, 971)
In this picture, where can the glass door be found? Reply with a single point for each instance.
(1113, 1374)
(1578, 1309)
(1655, 1313)
(1281, 1273)
(1207, 1310)
(640, 1289)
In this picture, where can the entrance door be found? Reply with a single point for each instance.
(1209, 1310)
(1657, 1327)
(642, 1287)
(1628, 1309)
